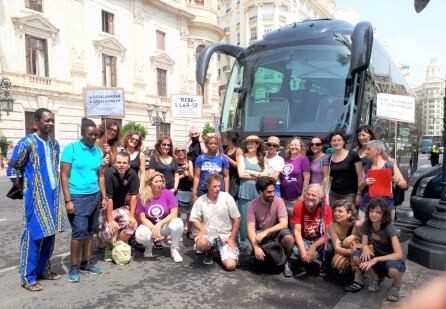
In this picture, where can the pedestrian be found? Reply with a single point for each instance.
(385, 257)
(162, 161)
(132, 145)
(295, 176)
(275, 161)
(376, 153)
(217, 217)
(251, 165)
(195, 146)
(319, 162)
(37, 155)
(345, 171)
(82, 180)
(157, 213)
(231, 140)
(108, 138)
(434, 154)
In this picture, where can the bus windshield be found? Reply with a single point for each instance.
(291, 90)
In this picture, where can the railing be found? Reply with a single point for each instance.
(39, 80)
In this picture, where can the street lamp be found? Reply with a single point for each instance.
(156, 117)
(6, 102)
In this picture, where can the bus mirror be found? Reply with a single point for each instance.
(362, 42)
(206, 54)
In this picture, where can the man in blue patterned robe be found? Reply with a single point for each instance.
(37, 156)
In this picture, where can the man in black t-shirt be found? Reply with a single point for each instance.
(122, 185)
(195, 146)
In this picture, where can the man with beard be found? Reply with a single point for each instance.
(119, 215)
(310, 229)
(195, 146)
(268, 220)
(38, 156)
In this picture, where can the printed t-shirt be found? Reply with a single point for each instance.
(381, 239)
(343, 173)
(85, 163)
(292, 178)
(310, 221)
(216, 216)
(264, 215)
(158, 208)
(210, 165)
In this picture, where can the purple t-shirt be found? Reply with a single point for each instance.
(292, 178)
(157, 209)
(265, 216)
(317, 174)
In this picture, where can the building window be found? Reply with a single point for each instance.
(160, 40)
(253, 13)
(108, 71)
(107, 22)
(35, 5)
(253, 33)
(164, 128)
(36, 56)
(161, 82)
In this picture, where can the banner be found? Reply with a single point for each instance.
(187, 105)
(104, 101)
(395, 107)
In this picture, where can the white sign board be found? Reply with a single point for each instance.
(395, 107)
(104, 101)
(186, 105)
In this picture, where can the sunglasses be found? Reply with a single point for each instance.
(166, 145)
(113, 130)
(272, 145)
(134, 139)
(180, 150)
(316, 144)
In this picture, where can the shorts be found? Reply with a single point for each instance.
(121, 215)
(382, 268)
(275, 236)
(322, 253)
(84, 221)
(225, 252)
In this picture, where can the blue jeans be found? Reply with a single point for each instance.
(243, 230)
(325, 255)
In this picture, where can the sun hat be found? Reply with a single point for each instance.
(252, 138)
(273, 140)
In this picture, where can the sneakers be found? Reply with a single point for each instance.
(108, 255)
(176, 256)
(287, 272)
(73, 275)
(90, 268)
(208, 257)
(148, 252)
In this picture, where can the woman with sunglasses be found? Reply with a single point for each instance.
(319, 164)
(162, 161)
(295, 176)
(108, 137)
(275, 161)
(132, 145)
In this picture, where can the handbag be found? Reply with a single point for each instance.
(184, 198)
(16, 191)
(121, 252)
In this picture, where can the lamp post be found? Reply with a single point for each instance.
(6, 102)
(428, 246)
(156, 117)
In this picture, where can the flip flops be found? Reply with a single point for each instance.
(33, 287)
(354, 287)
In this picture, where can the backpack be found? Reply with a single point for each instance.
(275, 254)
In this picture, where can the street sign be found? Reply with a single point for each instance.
(395, 107)
(104, 101)
(186, 105)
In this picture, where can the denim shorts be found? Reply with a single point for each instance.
(85, 220)
(382, 268)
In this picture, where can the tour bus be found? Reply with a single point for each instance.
(310, 78)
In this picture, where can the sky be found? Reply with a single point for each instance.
(413, 38)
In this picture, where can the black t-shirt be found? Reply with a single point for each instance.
(343, 173)
(117, 188)
(168, 170)
(194, 152)
(185, 183)
(136, 163)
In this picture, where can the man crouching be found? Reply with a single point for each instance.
(217, 217)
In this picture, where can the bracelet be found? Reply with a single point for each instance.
(66, 202)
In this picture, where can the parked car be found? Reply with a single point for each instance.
(426, 192)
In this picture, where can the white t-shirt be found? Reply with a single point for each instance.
(216, 216)
(275, 164)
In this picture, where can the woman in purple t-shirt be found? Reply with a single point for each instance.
(295, 175)
(157, 212)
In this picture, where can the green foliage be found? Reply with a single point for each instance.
(133, 126)
(4, 145)
(207, 129)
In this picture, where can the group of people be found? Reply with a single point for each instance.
(271, 203)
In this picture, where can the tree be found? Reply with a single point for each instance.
(133, 126)
(207, 129)
(4, 145)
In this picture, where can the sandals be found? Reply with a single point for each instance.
(33, 287)
(354, 287)
(394, 294)
(49, 276)
(157, 244)
(373, 286)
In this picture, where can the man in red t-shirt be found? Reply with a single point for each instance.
(307, 217)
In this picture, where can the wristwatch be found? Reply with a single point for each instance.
(105, 198)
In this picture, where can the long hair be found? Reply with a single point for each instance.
(128, 136)
(157, 153)
(302, 151)
(260, 153)
(379, 202)
(146, 192)
(103, 128)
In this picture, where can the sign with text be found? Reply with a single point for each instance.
(395, 107)
(186, 105)
(104, 101)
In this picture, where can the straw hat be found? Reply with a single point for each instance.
(252, 138)
(273, 140)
